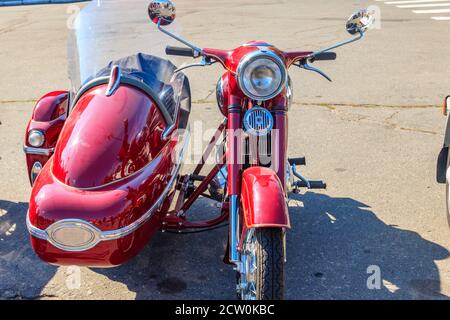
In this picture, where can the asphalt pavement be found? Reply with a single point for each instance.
(373, 134)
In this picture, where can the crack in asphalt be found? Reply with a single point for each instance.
(18, 101)
(365, 105)
(18, 23)
(330, 106)
(333, 106)
(387, 122)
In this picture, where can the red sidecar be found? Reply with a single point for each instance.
(112, 170)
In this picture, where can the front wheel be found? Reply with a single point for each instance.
(262, 273)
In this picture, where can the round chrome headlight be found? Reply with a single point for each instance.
(36, 138)
(261, 75)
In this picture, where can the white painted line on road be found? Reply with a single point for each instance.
(411, 1)
(436, 6)
(428, 5)
(432, 11)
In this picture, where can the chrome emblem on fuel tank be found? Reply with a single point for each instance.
(258, 121)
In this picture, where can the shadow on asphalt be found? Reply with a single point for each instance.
(22, 274)
(331, 245)
(174, 266)
(334, 242)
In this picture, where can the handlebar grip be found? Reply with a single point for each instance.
(177, 51)
(312, 184)
(297, 161)
(326, 56)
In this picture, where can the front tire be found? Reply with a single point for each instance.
(262, 274)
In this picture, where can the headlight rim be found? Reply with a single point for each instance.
(261, 54)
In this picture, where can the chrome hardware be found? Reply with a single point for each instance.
(36, 138)
(359, 22)
(167, 133)
(290, 183)
(289, 93)
(162, 11)
(217, 186)
(234, 217)
(205, 62)
(38, 151)
(219, 94)
(246, 287)
(258, 121)
(302, 178)
(114, 81)
(361, 35)
(35, 170)
(261, 54)
(306, 66)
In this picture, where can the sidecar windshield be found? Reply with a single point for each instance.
(116, 30)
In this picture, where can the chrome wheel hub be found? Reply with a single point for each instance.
(248, 270)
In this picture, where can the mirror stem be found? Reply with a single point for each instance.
(196, 49)
(361, 35)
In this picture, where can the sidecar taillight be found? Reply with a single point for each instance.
(36, 138)
(73, 235)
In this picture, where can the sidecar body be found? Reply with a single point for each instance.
(106, 171)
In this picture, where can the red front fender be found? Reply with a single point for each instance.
(263, 199)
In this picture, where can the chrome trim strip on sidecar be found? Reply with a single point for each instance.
(38, 151)
(112, 234)
(35, 232)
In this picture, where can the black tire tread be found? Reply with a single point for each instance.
(270, 264)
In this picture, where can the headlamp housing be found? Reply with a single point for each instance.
(261, 75)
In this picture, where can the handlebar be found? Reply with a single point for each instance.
(178, 51)
(325, 56)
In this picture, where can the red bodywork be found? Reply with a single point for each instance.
(111, 165)
(109, 168)
(48, 116)
(263, 199)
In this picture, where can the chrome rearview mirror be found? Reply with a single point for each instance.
(360, 21)
(161, 12)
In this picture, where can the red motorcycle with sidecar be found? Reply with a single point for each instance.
(104, 158)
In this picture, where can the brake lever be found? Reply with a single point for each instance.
(306, 66)
(206, 61)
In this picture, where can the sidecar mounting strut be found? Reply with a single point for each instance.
(189, 193)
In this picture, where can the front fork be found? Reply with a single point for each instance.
(235, 161)
(234, 175)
